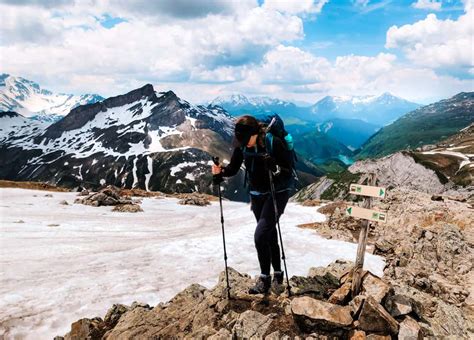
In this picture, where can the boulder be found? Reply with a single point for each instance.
(251, 324)
(319, 284)
(410, 330)
(64, 202)
(398, 305)
(374, 318)
(312, 314)
(374, 286)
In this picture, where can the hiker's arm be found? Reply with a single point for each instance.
(235, 162)
(282, 156)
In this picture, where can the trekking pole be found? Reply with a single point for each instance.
(216, 162)
(277, 217)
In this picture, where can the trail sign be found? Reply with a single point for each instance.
(366, 190)
(368, 214)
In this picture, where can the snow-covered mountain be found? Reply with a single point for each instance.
(153, 141)
(239, 104)
(241, 100)
(31, 101)
(375, 109)
(142, 139)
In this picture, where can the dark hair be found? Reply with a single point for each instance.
(247, 126)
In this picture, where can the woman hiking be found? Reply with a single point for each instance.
(250, 147)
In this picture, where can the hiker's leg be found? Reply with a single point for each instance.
(263, 234)
(282, 199)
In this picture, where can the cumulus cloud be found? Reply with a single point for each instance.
(296, 7)
(427, 4)
(437, 43)
(234, 46)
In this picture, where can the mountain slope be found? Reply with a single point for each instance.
(320, 148)
(378, 110)
(426, 125)
(30, 100)
(350, 132)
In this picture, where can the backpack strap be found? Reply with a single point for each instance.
(269, 142)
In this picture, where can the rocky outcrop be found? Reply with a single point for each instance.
(401, 170)
(198, 312)
(428, 247)
(106, 196)
(194, 199)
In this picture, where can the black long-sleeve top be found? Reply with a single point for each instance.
(257, 173)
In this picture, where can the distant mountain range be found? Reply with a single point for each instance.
(376, 110)
(426, 125)
(142, 139)
(30, 100)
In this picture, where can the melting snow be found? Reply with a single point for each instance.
(150, 172)
(96, 257)
(179, 167)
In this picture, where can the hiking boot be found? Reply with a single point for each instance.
(262, 286)
(277, 283)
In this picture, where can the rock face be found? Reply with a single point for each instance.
(428, 247)
(400, 169)
(198, 312)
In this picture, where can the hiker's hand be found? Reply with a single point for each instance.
(270, 163)
(216, 169)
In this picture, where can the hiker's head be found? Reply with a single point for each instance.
(248, 130)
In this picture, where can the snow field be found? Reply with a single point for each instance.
(66, 262)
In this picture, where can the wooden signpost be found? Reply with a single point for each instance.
(367, 214)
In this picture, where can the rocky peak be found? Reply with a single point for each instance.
(10, 114)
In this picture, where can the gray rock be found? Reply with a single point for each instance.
(114, 313)
(398, 305)
(313, 315)
(251, 324)
(64, 202)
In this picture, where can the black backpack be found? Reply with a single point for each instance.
(275, 127)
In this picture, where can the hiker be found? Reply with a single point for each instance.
(250, 147)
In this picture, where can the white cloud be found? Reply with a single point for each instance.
(427, 4)
(291, 65)
(436, 43)
(296, 7)
(177, 50)
(237, 47)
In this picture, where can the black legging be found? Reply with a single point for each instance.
(266, 234)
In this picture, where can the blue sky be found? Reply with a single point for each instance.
(301, 50)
